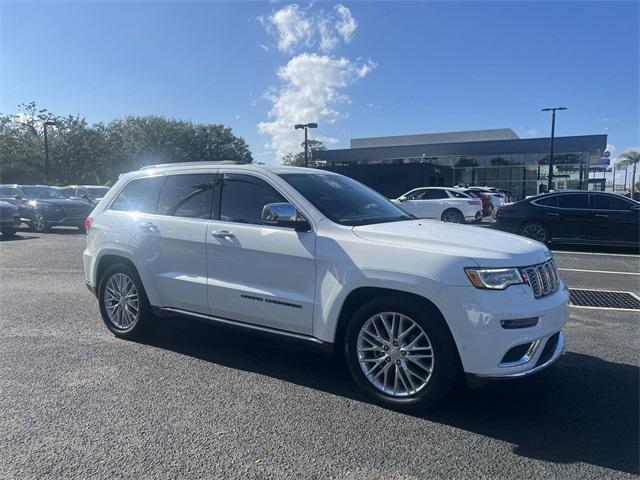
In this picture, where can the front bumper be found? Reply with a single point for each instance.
(475, 319)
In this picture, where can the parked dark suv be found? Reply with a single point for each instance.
(43, 207)
(574, 217)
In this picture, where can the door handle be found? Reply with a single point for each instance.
(553, 214)
(148, 227)
(602, 215)
(222, 234)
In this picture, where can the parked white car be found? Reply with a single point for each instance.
(446, 204)
(314, 256)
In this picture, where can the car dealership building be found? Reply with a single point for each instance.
(496, 158)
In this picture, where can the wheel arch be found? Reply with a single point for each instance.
(536, 220)
(359, 296)
(455, 209)
(106, 260)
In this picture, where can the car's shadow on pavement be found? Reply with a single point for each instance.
(16, 237)
(583, 409)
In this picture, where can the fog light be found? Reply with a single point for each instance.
(519, 323)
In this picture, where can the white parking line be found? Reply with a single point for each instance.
(558, 252)
(597, 271)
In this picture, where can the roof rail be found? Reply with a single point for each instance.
(191, 164)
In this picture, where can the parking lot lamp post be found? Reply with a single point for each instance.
(46, 149)
(306, 126)
(553, 131)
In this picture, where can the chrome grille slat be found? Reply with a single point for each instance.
(542, 278)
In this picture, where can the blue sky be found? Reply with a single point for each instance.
(389, 68)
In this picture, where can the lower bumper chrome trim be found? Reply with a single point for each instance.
(556, 354)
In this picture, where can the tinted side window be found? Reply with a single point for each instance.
(139, 195)
(573, 200)
(82, 192)
(187, 195)
(551, 201)
(609, 202)
(417, 195)
(456, 194)
(69, 192)
(434, 195)
(243, 197)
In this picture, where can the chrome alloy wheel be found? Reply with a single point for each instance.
(121, 301)
(535, 232)
(40, 222)
(452, 216)
(395, 354)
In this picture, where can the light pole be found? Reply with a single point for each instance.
(46, 149)
(306, 147)
(553, 131)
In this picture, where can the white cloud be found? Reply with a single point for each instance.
(532, 132)
(291, 26)
(346, 24)
(296, 28)
(312, 90)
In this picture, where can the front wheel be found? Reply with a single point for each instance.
(9, 231)
(535, 231)
(39, 223)
(123, 303)
(452, 215)
(401, 353)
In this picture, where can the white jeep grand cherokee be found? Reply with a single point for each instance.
(410, 304)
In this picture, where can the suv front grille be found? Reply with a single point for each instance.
(542, 278)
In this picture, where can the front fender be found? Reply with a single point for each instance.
(332, 293)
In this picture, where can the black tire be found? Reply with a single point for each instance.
(39, 223)
(146, 321)
(452, 215)
(446, 372)
(535, 231)
(9, 231)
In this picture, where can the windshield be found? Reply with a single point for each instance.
(97, 192)
(10, 192)
(345, 201)
(42, 192)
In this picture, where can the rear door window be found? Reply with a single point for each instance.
(187, 195)
(139, 195)
(573, 200)
(434, 194)
(609, 202)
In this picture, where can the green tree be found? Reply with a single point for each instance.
(630, 157)
(297, 159)
(98, 153)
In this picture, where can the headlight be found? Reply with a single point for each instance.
(494, 278)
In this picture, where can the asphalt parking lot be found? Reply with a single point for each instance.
(195, 401)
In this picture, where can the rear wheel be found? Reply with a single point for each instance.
(401, 353)
(123, 303)
(535, 231)
(452, 215)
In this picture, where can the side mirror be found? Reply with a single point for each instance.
(635, 208)
(402, 199)
(19, 197)
(284, 215)
(85, 196)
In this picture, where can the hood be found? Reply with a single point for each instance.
(7, 207)
(487, 247)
